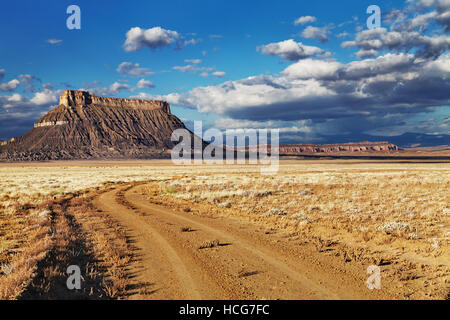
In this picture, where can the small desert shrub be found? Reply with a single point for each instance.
(392, 227)
(209, 244)
(300, 215)
(226, 204)
(261, 194)
(57, 192)
(304, 192)
(170, 190)
(275, 212)
(413, 236)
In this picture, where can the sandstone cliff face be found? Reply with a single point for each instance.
(344, 148)
(336, 148)
(85, 126)
(72, 98)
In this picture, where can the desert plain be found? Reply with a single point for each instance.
(153, 230)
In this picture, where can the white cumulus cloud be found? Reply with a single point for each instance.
(304, 19)
(320, 34)
(290, 50)
(45, 97)
(133, 69)
(219, 74)
(156, 37)
(116, 87)
(145, 84)
(10, 86)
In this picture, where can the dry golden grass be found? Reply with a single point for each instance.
(38, 239)
(24, 240)
(393, 215)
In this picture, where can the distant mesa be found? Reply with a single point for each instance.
(84, 126)
(343, 148)
(365, 146)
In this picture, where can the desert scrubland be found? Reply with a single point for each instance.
(324, 221)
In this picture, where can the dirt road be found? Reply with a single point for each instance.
(248, 262)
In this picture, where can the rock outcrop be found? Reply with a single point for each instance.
(85, 126)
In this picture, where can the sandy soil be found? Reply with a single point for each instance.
(247, 264)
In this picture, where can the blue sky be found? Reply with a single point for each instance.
(236, 64)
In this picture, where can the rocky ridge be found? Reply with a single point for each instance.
(335, 148)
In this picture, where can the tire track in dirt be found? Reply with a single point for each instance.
(248, 254)
(158, 263)
(243, 267)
